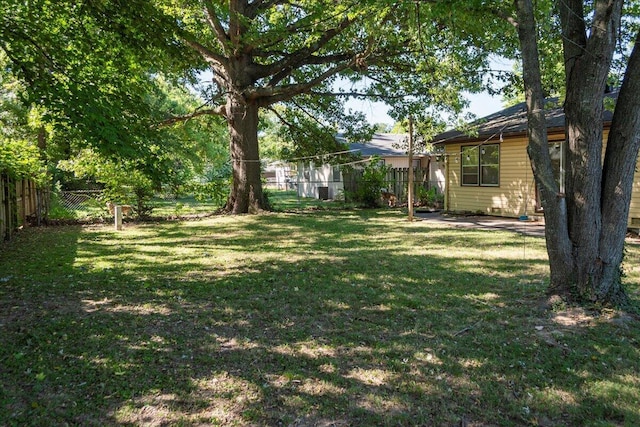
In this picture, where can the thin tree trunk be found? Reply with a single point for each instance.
(553, 202)
(246, 192)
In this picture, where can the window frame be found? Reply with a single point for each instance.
(337, 177)
(477, 164)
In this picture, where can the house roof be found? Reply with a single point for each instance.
(383, 145)
(512, 121)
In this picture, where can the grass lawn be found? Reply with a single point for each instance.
(332, 318)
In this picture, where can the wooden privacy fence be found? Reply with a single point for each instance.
(396, 181)
(20, 201)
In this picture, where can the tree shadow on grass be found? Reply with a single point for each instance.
(312, 321)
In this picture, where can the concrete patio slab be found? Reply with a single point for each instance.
(482, 222)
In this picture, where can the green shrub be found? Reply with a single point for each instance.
(429, 197)
(372, 182)
(215, 191)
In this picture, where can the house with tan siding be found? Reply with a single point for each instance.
(489, 172)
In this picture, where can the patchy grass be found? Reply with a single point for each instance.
(288, 201)
(182, 206)
(321, 318)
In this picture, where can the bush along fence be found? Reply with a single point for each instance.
(21, 203)
(396, 181)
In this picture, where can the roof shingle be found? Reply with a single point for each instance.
(511, 121)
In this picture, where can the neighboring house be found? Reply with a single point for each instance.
(317, 179)
(279, 175)
(392, 150)
(490, 173)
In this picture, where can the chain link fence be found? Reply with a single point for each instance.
(92, 204)
(81, 200)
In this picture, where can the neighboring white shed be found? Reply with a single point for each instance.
(325, 181)
(280, 175)
(321, 181)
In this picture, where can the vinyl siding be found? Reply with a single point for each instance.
(515, 196)
(403, 161)
(634, 208)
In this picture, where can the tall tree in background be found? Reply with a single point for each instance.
(263, 53)
(91, 63)
(586, 226)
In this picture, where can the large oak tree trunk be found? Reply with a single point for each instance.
(246, 190)
(586, 227)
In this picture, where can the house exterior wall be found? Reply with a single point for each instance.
(399, 162)
(437, 172)
(634, 209)
(311, 177)
(515, 196)
(280, 175)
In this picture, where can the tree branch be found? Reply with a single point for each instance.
(257, 5)
(503, 15)
(212, 19)
(271, 95)
(217, 111)
(362, 95)
(218, 62)
(574, 37)
(280, 69)
(303, 25)
(24, 36)
(301, 129)
(310, 60)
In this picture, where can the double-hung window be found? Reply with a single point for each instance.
(336, 173)
(481, 165)
(306, 171)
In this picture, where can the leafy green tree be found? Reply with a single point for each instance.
(92, 63)
(184, 150)
(576, 49)
(20, 127)
(374, 175)
(179, 156)
(382, 128)
(309, 57)
(123, 180)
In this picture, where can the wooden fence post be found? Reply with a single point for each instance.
(4, 211)
(117, 211)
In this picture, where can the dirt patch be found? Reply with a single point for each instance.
(574, 317)
(564, 319)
